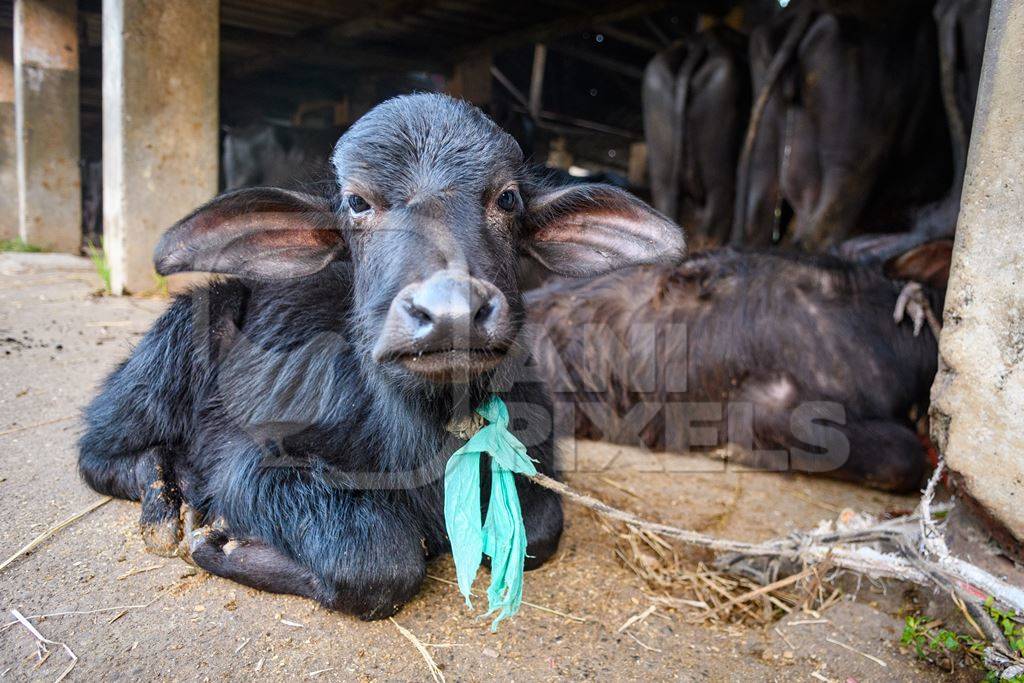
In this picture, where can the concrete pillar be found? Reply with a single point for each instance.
(8, 157)
(160, 62)
(978, 396)
(471, 79)
(46, 124)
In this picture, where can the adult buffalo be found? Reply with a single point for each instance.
(794, 358)
(696, 102)
(962, 25)
(843, 134)
(275, 155)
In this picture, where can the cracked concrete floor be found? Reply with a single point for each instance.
(57, 340)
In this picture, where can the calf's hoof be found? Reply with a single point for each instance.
(159, 522)
(162, 537)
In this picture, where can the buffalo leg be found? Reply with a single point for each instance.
(359, 552)
(882, 454)
(251, 563)
(885, 455)
(542, 516)
(147, 477)
(369, 582)
(159, 521)
(821, 438)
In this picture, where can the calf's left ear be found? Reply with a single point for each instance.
(263, 233)
(586, 230)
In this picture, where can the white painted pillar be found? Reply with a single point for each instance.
(160, 117)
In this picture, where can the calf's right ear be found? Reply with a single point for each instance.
(590, 229)
(262, 232)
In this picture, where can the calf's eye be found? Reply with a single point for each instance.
(358, 204)
(507, 200)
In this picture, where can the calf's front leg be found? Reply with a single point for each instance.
(354, 552)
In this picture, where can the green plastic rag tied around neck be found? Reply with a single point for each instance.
(503, 535)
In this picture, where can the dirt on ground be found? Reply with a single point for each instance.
(129, 615)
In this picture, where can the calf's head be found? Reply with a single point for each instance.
(433, 207)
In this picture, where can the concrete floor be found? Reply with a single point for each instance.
(57, 340)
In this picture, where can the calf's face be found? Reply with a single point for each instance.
(432, 192)
(433, 208)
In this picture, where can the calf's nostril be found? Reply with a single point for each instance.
(420, 315)
(483, 313)
(488, 318)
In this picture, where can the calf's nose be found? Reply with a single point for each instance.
(449, 310)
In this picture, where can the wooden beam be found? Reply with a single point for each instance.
(637, 167)
(471, 79)
(607, 12)
(507, 83)
(540, 58)
(629, 38)
(609, 63)
(553, 121)
(242, 93)
(332, 45)
(273, 51)
(658, 33)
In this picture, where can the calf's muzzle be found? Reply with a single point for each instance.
(449, 323)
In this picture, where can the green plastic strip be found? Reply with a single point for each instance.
(502, 536)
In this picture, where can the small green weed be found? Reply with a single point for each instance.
(18, 244)
(945, 648)
(99, 261)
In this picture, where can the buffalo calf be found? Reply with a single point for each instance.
(796, 358)
(302, 409)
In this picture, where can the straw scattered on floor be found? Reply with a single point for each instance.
(41, 538)
(41, 642)
(139, 570)
(533, 605)
(435, 670)
(707, 594)
(34, 425)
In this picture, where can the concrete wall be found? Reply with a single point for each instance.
(978, 396)
(8, 164)
(160, 118)
(46, 123)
